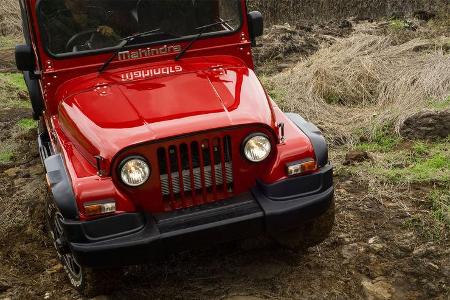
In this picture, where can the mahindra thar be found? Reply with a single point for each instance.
(157, 136)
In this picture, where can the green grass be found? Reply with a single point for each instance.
(14, 80)
(398, 24)
(9, 41)
(27, 124)
(437, 226)
(422, 163)
(14, 103)
(440, 205)
(441, 105)
(277, 95)
(6, 156)
(382, 141)
(11, 84)
(398, 161)
(380, 145)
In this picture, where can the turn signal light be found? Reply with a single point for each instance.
(99, 208)
(300, 167)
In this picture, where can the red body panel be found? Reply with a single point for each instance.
(105, 114)
(148, 101)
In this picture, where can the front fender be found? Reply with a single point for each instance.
(315, 136)
(61, 187)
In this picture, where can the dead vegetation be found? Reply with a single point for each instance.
(294, 11)
(10, 20)
(365, 82)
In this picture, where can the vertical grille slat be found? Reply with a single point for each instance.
(169, 178)
(222, 145)
(213, 170)
(180, 174)
(191, 175)
(195, 173)
(202, 172)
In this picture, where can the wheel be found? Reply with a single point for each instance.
(87, 281)
(310, 233)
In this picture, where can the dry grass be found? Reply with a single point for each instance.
(364, 82)
(277, 11)
(10, 20)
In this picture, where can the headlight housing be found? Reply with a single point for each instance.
(134, 171)
(257, 147)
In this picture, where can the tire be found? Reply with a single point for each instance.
(34, 91)
(310, 233)
(87, 281)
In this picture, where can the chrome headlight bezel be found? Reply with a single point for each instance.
(147, 170)
(251, 137)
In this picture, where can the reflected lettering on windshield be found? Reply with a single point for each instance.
(151, 73)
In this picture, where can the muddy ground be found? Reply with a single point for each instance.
(372, 253)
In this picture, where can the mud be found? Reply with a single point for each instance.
(7, 60)
(372, 253)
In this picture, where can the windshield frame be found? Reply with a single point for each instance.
(132, 46)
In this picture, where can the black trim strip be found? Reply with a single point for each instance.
(61, 187)
(315, 136)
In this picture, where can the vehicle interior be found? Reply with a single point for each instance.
(72, 25)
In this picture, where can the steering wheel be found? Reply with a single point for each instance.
(77, 39)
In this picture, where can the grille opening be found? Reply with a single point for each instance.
(196, 173)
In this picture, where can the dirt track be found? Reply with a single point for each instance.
(370, 249)
(371, 254)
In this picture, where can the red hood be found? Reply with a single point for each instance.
(103, 114)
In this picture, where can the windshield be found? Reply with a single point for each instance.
(76, 26)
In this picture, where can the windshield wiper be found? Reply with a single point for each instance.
(125, 41)
(199, 35)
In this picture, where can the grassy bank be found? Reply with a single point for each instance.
(279, 11)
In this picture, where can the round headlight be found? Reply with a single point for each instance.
(257, 148)
(134, 171)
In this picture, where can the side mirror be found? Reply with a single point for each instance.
(256, 25)
(25, 58)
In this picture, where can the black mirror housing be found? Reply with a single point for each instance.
(256, 25)
(25, 58)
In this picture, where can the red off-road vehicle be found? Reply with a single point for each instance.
(157, 136)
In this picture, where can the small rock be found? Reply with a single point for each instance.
(376, 247)
(433, 266)
(356, 156)
(345, 24)
(23, 95)
(374, 240)
(375, 244)
(55, 269)
(423, 250)
(12, 172)
(378, 289)
(47, 295)
(20, 182)
(424, 15)
(36, 170)
(4, 286)
(351, 250)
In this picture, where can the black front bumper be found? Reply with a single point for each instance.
(136, 238)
